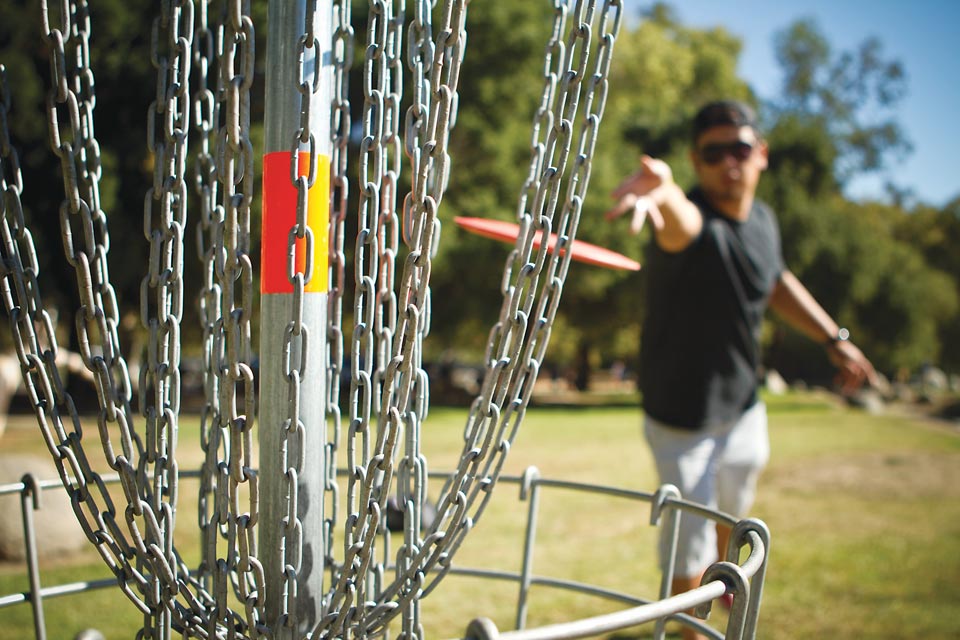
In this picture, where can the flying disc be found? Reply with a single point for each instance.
(579, 250)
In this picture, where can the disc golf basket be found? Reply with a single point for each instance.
(290, 545)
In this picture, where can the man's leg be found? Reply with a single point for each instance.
(686, 459)
(739, 466)
(723, 538)
(681, 585)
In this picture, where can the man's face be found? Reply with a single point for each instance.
(728, 161)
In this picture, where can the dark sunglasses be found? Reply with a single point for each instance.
(715, 153)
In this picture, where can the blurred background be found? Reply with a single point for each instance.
(858, 102)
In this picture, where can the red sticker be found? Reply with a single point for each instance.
(280, 215)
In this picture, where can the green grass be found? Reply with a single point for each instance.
(863, 510)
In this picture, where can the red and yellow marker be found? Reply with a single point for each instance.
(279, 216)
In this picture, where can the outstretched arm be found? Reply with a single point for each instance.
(794, 303)
(652, 192)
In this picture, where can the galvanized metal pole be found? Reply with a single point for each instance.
(293, 312)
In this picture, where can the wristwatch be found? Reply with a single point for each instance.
(842, 335)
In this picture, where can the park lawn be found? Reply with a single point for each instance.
(863, 510)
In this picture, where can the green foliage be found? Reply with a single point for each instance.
(937, 234)
(891, 274)
(852, 94)
(882, 289)
(894, 289)
(801, 159)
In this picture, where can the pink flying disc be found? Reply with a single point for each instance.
(579, 250)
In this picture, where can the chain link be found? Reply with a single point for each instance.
(365, 500)
(164, 219)
(82, 219)
(518, 341)
(296, 336)
(206, 116)
(236, 478)
(342, 61)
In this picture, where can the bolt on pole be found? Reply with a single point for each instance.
(296, 188)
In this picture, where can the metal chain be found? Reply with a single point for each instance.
(365, 502)
(402, 398)
(164, 219)
(237, 479)
(387, 234)
(513, 384)
(37, 350)
(342, 50)
(435, 67)
(206, 116)
(295, 339)
(386, 247)
(518, 341)
(86, 245)
(148, 475)
(402, 405)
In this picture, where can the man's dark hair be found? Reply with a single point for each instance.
(720, 113)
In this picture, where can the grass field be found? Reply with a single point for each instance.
(864, 512)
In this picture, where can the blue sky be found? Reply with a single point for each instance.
(924, 35)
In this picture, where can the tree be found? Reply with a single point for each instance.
(836, 118)
(879, 287)
(120, 60)
(852, 95)
(125, 85)
(661, 71)
(936, 233)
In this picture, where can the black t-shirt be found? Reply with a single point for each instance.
(704, 309)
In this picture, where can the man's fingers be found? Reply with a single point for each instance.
(624, 204)
(656, 217)
(855, 370)
(656, 167)
(626, 187)
(645, 208)
(850, 379)
(640, 211)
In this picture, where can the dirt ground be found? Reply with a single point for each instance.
(910, 474)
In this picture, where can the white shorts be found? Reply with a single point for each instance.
(717, 467)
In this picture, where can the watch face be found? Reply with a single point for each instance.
(842, 335)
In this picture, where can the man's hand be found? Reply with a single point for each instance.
(853, 368)
(639, 194)
(651, 192)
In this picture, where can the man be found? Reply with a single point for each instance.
(714, 267)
